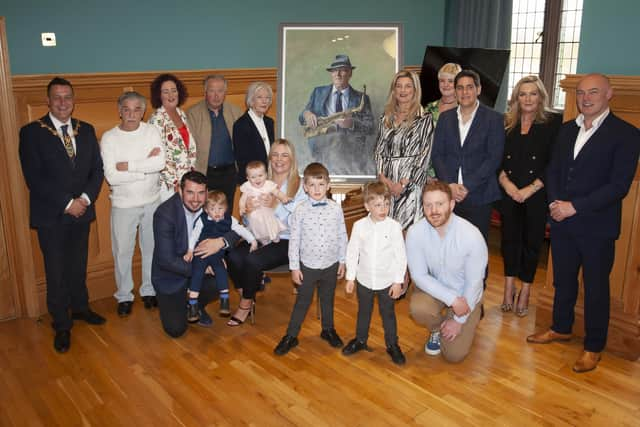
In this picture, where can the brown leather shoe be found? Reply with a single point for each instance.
(587, 362)
(547, 336)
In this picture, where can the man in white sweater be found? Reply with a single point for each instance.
(133, 157)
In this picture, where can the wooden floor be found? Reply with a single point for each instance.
(128, 372)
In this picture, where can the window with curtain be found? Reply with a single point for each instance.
(545, 38)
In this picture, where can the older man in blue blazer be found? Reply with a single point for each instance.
(591, 169)
(467, 152)
(337, 142)
(170, 273)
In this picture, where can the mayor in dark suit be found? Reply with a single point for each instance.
(253, 132)
(62, 167)
(337, 121)
(467, 152)
(170, 273)
(591, 169)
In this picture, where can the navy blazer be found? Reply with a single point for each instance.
(480, 157)
(362, 121)
(53, 179)
(169, 271)
(597, 180)
(248, 144)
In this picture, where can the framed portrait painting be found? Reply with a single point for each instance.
(333, 83)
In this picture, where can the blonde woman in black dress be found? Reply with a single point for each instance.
(403, 148)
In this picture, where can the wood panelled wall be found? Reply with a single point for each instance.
(95, 102)
(624, 327)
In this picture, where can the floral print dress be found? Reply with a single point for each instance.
(180, 158)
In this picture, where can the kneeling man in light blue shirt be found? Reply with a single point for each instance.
(447, 257)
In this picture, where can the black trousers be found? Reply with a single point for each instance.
(386, 306)
(224, 179)
(325, 279)
(595, 256)
(64, 249)
(173, 307)
(522, 229)
(245, 268)
(480, 216)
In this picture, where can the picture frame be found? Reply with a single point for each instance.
(309, 55)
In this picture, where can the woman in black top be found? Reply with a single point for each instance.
(531, 128)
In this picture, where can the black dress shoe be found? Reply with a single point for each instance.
(124, 308)
(286, 343)
(396, 354)
(331, 336)
(91, 317)
(354, 346)
(62, 341)
(150, 301)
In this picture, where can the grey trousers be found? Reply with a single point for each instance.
(325, 279)
(125, 224)
(387, 313)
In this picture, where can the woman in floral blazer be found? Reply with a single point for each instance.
(167, 94)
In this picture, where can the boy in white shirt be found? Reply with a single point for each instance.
(377, 262)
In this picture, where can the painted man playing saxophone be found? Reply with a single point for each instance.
(337, 120)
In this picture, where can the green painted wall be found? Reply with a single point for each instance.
(609, 37)
(143, 35)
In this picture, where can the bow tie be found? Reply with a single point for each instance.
(319, 204)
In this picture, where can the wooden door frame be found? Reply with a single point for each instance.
(13, 202)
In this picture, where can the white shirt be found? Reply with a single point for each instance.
(262, 129)
(375, 254)
(140, 184)
(464, 131)
(331, 102)
(318, 235)
(584, 134)
(58, 125)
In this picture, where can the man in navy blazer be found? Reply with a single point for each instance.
(62, 167)
(170, 273)
(591, 169)
(343, 142)
(467, 152)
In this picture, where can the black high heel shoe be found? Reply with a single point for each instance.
(234, 321)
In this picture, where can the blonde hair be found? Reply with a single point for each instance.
(512, 116)
(253, 89)
(293, 180)
(376, 189)
(216, 197)
(391, 106)
(450, 68)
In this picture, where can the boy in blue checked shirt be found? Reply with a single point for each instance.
(317, 250)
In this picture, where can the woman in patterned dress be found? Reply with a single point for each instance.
(168, 93)
(403, 148)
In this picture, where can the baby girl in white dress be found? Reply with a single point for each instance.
(261, 221)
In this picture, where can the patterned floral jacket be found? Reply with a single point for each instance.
(179, 158)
